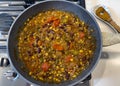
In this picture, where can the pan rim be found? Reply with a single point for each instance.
(45, 2)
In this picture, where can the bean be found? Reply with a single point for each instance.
(25, 38)
(61, 27)
(51, 31)
(29, 53)
(52, 59)
(67, 75)
(68, 43)
(45, 25)
(37, 39)
(38, 50)
(79, 66)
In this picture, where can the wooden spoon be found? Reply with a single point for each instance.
(101, 13)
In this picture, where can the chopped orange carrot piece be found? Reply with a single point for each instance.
(56, 23)
(68, 58)
(45, 66)
(82, 34)
(58, 47)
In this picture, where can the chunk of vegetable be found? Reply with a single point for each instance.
(81, 34)
(68, 58)
(56, 23)
(45, 66)
(58, 47)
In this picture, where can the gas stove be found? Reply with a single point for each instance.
(9, 10)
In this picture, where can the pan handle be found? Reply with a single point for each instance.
(82, 3)
(28, 3)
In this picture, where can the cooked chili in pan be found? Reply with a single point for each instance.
(55, 46)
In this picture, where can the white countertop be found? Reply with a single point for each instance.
(107, 71)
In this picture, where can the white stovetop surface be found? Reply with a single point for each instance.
(107, 71)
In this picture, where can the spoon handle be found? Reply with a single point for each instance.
(114, 25)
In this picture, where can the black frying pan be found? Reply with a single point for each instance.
(46, 5)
